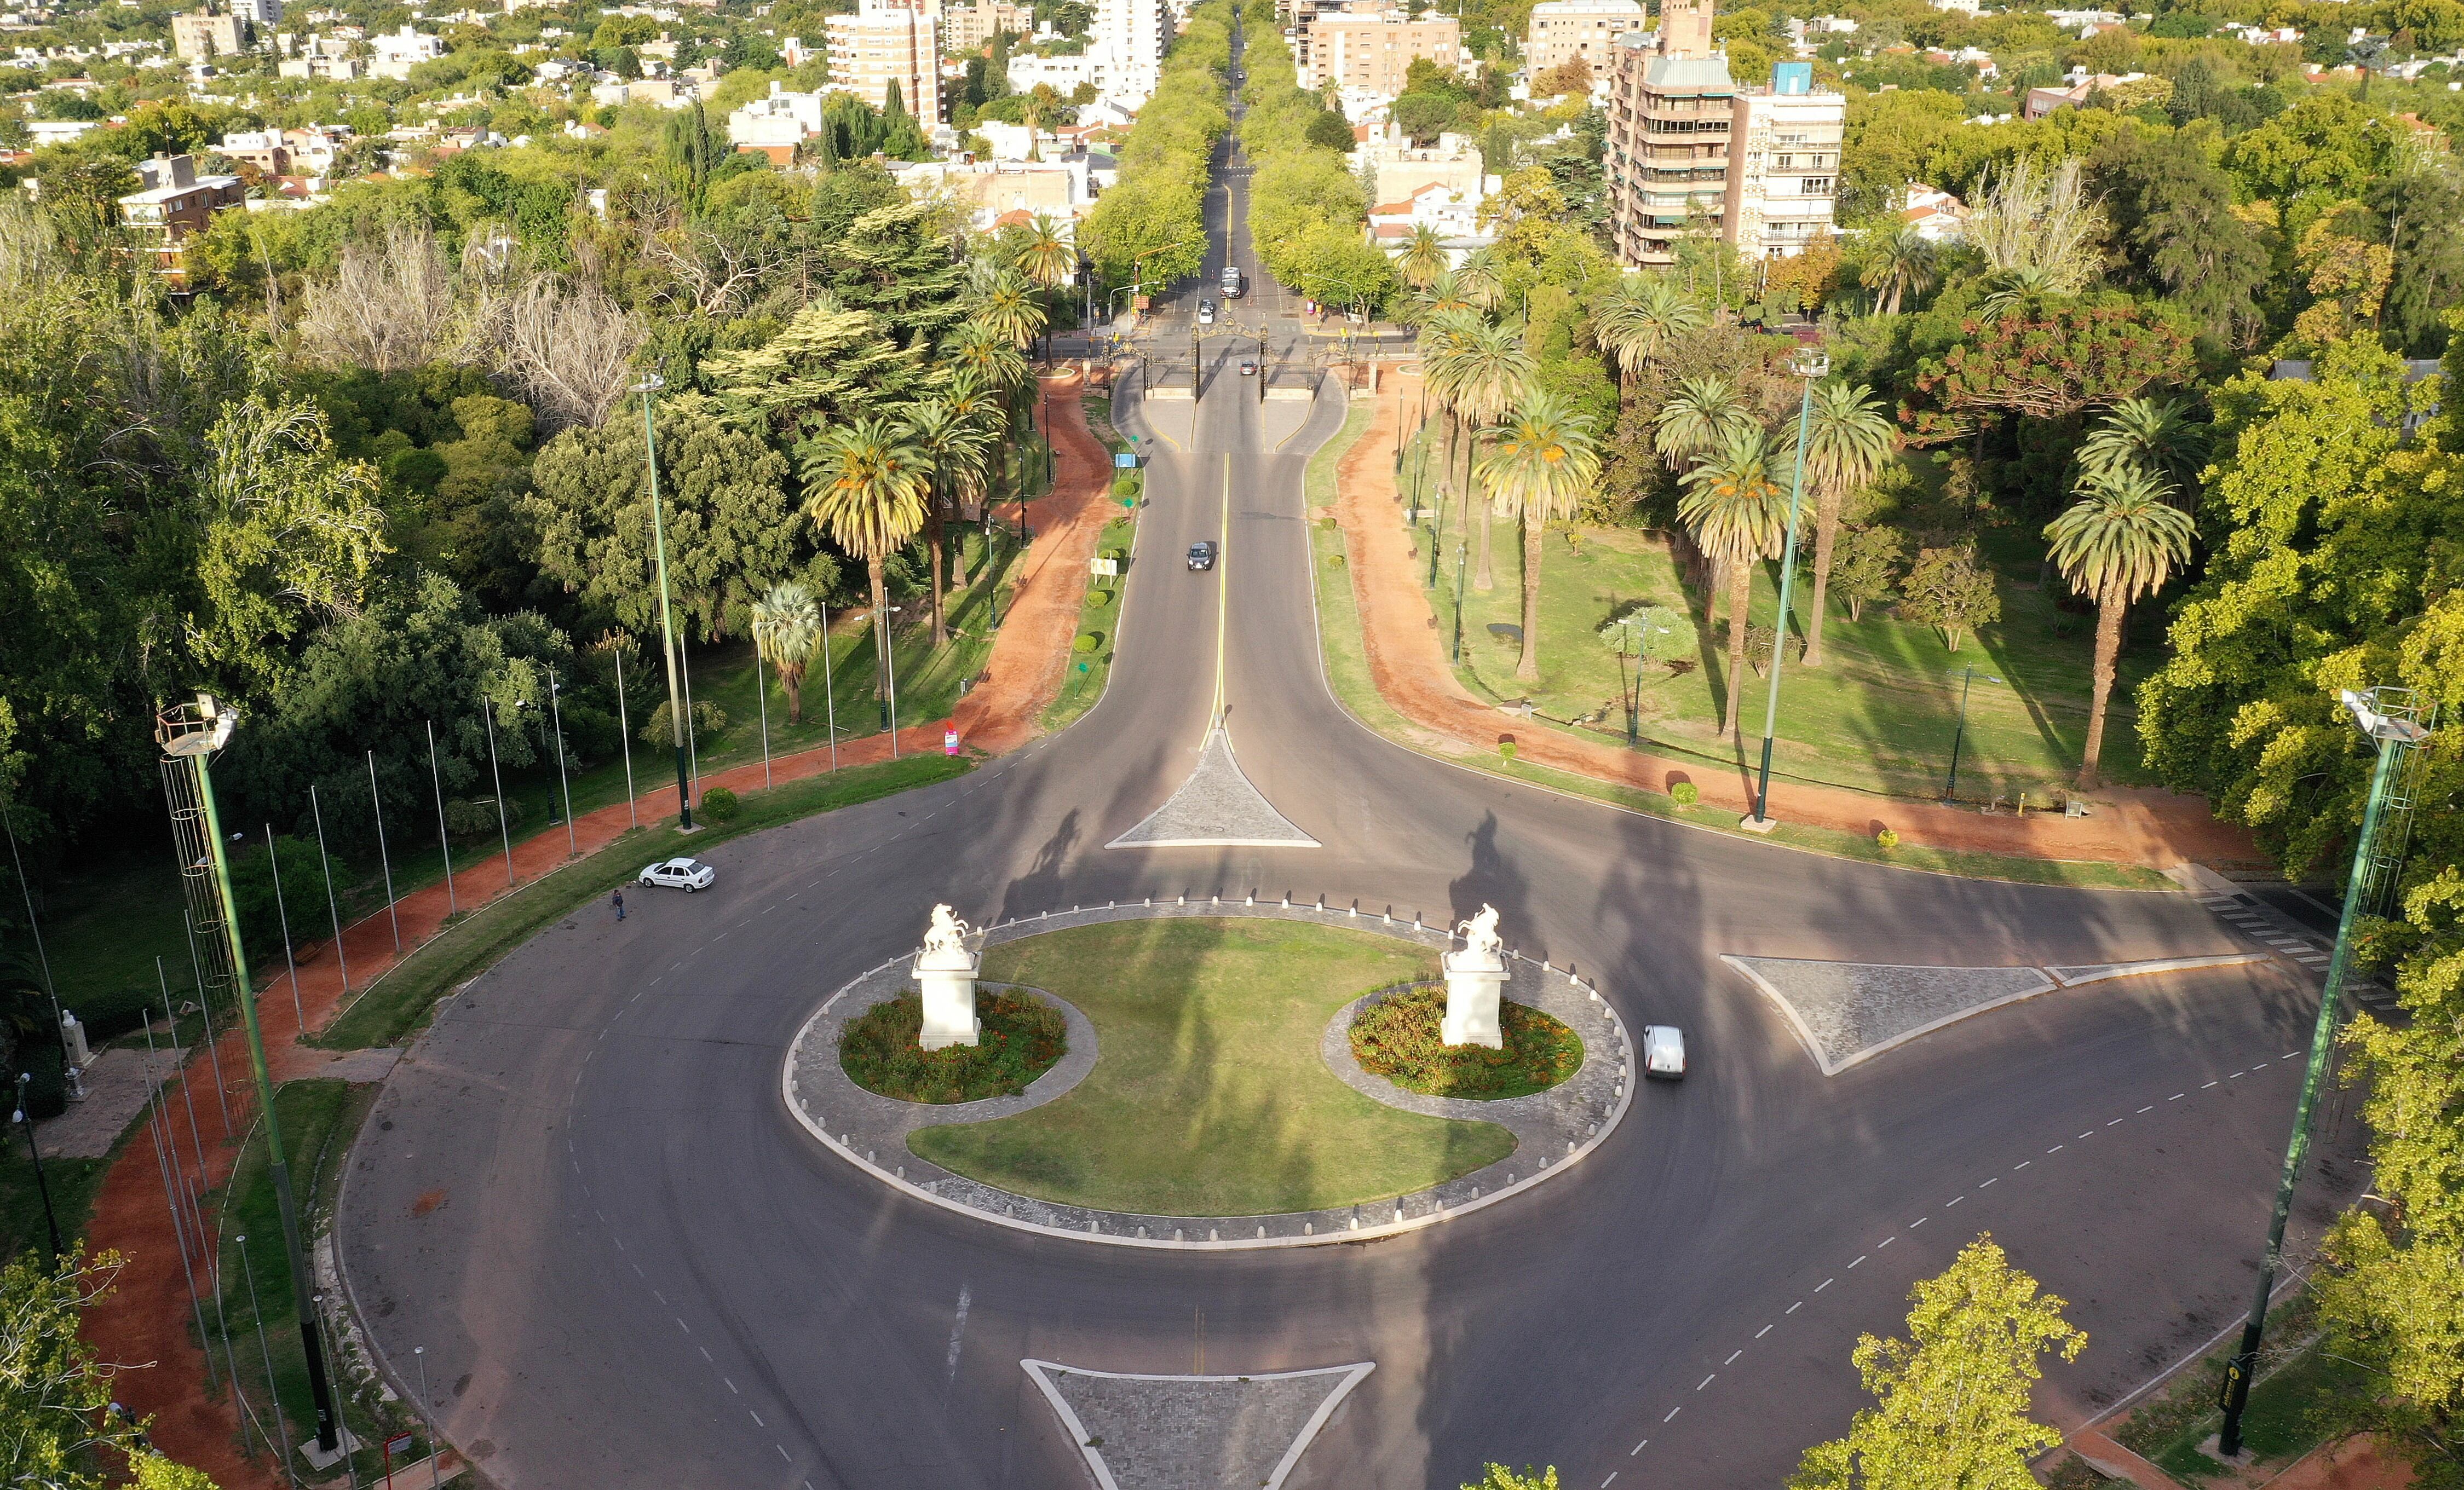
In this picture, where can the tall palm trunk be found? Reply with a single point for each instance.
(1741, 593)
(794, 680)
(1527, 668)
(2109, 608)
(873, 569)
(1826, 533)
(1485, 579)
(933, 529)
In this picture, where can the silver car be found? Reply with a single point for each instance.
(1664, 1051)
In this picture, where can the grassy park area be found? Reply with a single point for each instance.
(1208, 1096)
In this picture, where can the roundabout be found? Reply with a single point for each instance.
(612, 1202)
(1210, 1098)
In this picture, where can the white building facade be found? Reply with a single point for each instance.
(1561, 30)
(1784, 166)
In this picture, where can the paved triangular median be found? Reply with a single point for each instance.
(1193, 1433)
(1215, 808)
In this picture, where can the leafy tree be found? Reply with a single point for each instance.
(1946, 588)
(1328, 131)
(1497, 1477)
(1422, 117)
(1951, 1400)
(56, 1395)
(2422, 207)
(729, 522)
(1866, 568)
(2054, 359)
(1736, 512)
(2119, 541)
(1542, 462)
(1848, 439)
(2174, 215)
(2329, 147)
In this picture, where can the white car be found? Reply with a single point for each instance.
(1664, 1051)
(685, 875)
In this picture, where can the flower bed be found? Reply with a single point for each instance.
(1397, 1037)
(1021, 1038)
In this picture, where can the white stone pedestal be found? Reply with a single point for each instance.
(1474, 979)
(948, 977)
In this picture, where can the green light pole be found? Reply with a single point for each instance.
(194, 733)
(647, 388)
(1809, 365)
(2392, 733)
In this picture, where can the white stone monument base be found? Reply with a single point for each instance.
(948, 979)
(1474, 979)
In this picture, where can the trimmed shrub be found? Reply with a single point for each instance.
(1099, 596)
(1397, 1037)
(1128, 486)
(1687, 792)
(1887, 839)
(720, 805)
(1087, 642)
(709, 722)
(1505, 748)
(1021, 1038)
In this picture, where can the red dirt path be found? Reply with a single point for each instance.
(1407, 660)
(147, 1319)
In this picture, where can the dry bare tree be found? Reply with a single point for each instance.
(391, 307)
(2039, 230)
(29, 243)
(567, 348)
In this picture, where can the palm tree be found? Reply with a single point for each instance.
(985, 409)
(1699, 418)
(866, 485)
(1637, 318)
(2122, 540)
(1008, 307)
(1493, 371)
(1541, 461)
(1423, 258)
(2156, 435)
(1441, 296)
(1481, 276)
(1848, 439)
(988, 351)
(786, 633)
(1737, 512)
(1900, 264)
(1049, 261)
(1442, 366)
(949, 441)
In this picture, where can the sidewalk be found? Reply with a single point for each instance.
(1407, 659)
(147, 1319)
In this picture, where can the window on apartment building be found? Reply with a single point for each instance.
(1818, 186)
(1782, 161)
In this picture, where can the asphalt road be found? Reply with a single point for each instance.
(629, 1267)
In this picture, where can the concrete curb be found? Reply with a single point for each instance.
(1297, 1229)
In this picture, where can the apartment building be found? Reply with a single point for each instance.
(1126, 47)
(970, 28)
(1373, 47)
(1688, 151)
(776, 125)
(175, 206)
(1784, 175)
(886, 43)
(1560, 31)
(205, 35)
(1670, 117)
(397, 53)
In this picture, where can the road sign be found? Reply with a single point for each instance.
(1125, 460)
(1105, 568)
(398, 1443)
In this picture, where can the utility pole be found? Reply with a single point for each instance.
(1808, 366)
(647, 388)
(192, 734)
(2387, 716)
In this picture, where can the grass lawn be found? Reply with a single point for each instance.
(1208, 1097)
(1878, 716)
(2290, 1403)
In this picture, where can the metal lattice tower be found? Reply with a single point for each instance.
(191, 841)
(2384, 862)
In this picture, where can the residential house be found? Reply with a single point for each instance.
(175, 206)
(1937, 216)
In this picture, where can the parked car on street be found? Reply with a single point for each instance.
(685, 875)
(1201, 554)
(1206, 313)
(1664, 1051)
(1248, 367)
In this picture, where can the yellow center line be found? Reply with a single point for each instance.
(1223, 594)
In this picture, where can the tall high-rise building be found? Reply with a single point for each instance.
(1560, 31)
(1689, 152)
(888, 43)
(1127, 46)
(206, 34)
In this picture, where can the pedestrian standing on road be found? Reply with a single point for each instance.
(618, 901)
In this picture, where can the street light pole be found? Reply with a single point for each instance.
(647, 388)
(1967, 679)
(563, 783)
(2393, 734)
(24, 1080)
(1809, 365)
(196, 733)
